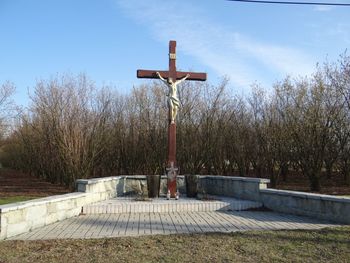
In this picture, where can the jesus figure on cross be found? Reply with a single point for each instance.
(173, 100)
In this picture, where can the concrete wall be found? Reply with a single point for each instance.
(327, 207)
(134, 183)
(22, 217)
(102, 188)
(336, 209)
(239, 187)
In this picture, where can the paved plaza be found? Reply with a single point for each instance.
(137, 224)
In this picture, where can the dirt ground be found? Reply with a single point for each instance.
(15, 183)
(332, 186)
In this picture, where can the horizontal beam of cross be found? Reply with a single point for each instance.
(152, 74)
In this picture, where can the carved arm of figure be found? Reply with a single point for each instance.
(161, 78)
(181, 80)
(176, 82)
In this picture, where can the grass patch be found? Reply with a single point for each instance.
(344, 196)
(326, 245)
(15, 199)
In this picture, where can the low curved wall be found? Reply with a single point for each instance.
(336, 209)
(17, 218)
(238, 187)
(21, 217)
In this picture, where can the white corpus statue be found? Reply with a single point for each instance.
(173, 99)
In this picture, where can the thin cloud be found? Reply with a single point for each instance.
(227, 53)
(323, 8)
(284, 60)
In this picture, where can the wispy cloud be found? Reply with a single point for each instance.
(323, 8)
(228, 53)
(284, 60)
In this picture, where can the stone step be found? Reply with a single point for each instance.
(162, 205)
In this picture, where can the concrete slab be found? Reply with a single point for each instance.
(138, 224)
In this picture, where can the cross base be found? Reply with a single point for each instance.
(171, 176)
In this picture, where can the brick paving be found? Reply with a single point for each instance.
(137, 224)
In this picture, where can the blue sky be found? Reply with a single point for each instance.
(110, 39)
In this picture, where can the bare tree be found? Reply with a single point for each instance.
(74, 129)
(6, 108)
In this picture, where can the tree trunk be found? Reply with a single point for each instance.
(247, 168)
(191, 185)
(153, 185)
(329, 168)
(284, 172)
(346, 173)
(315, 184)
(241, 170)
(258, 170)
(273, 178)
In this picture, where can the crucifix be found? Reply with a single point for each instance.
(171, 78)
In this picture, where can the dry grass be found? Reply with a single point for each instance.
(17, 184)
(327, 245)
(15, 199)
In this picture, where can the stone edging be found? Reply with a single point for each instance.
(24, 216)
(234, 178)
(306, 195)
(336, 209)
(40, 201)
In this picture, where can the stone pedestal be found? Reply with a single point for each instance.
(171, 176)
(171, 169)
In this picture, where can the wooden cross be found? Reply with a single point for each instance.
(171, 76)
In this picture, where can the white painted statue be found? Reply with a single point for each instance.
(173, 99)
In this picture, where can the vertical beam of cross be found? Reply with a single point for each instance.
(171, 162)
(172, 60)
